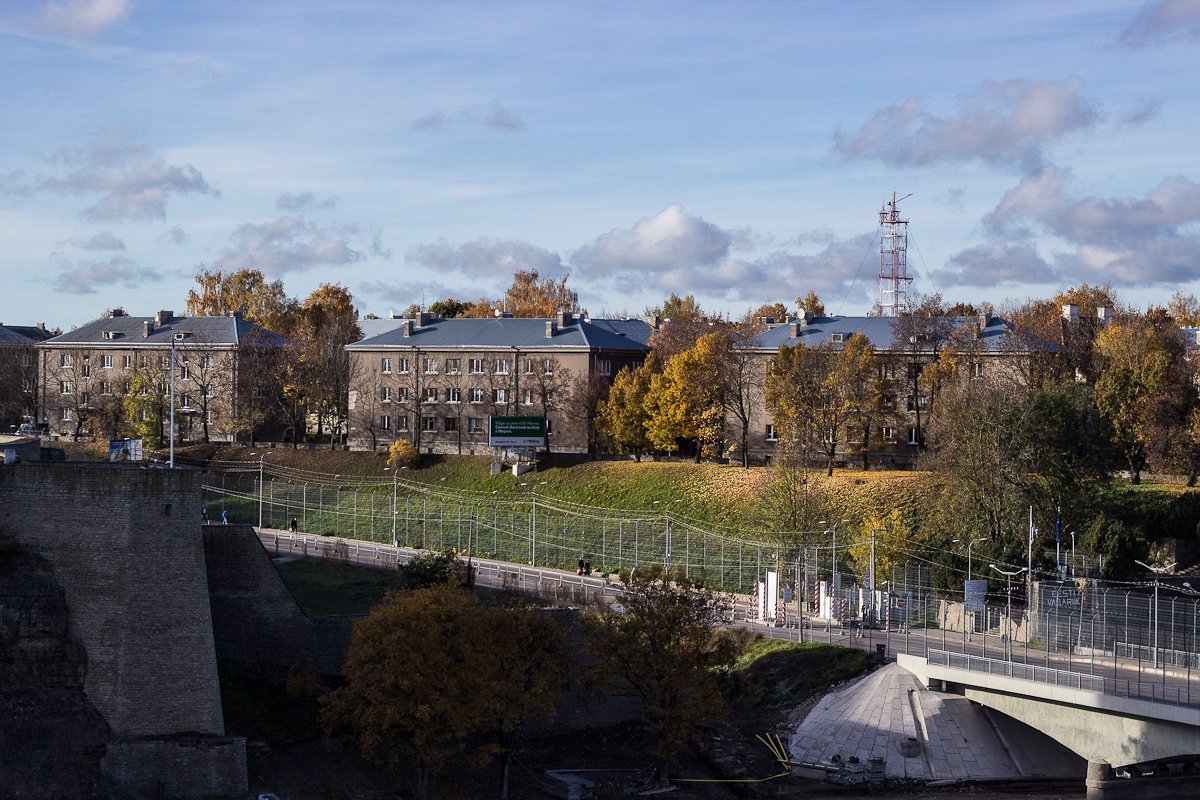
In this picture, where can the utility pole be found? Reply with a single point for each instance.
(1008, 575)
(1157, 572)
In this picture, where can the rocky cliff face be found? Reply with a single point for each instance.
(52, 738)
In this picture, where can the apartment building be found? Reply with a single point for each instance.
(18, 373)
(87, 374)
(435, 382)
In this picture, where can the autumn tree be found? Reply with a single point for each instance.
(449, 308)
(584, 401)
(623, 417)
(681, 323)
(811, 303)
(755, 322)
(1138, 360)
(803, 395)
(531, 295)
(859, 390)
(742, 377)
(1184, 309)
(889, 536)
(918, 335)
(686, 400)
(328, 321)
(246, 291)
(662, 647)
(432, 667)
(145, 403)
(258, 385)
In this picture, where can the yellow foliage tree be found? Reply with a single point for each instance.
(893, 535)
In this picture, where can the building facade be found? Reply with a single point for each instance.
(116, 372)
(19, 374)
(435, 382)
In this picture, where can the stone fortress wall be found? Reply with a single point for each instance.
(126, 546)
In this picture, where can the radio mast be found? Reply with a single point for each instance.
(893, 259)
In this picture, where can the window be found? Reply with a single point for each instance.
(65, 415)
(66, 387)
(914, 371)
(163, 389)
(528, 366)
(66, 360)
(429, 395)
(105, 387)
(105, 362)
(453, 366)
(428, 424)
(85, 400)
(475, 425)
(499, 395)
(259, 392)
(451, 424)
(402, 394)
(185, 402)
(401, 424)
(837, 338)
(85, 370)
(889, 433)
(475, 366)
(501, 367)
(827, 436)
(206, 390)
(208, 416)
(549, 426)
(475, 395)
(385, 394)
(976, 369)
(527, 397)
(145, 414)
(887, 371)
(431, 366)
(453, 395)
(27, 385)
(164, 361)
(185, 373)
(385, 366)
(206, 362)
(919, 402)
(402, 366)
(144, 362)
(604, 366)
(547, 366)
(126, 361)
(913, 438)
(385, 423)
(26, 360)
(771, 437)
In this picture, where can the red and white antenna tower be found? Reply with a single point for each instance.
(893, 259)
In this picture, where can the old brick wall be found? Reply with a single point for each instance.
(125, 546)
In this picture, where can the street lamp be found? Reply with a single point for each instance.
(667, 526)
(970, 543)
(533, 524)
(833, 531)
(1008, 575)
(395, 480)
(1157, 572)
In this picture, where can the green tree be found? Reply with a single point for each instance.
(662, 648)
(686, 400)
(247, 291)
(858, 390)
(811, 303)
(449, 308)
(145, 406)
(893, 537)
(531, 295)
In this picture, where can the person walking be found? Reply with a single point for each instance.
(292, 525)
(224, 516)
(204, 514)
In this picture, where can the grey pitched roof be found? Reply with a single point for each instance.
(509, 332)
(878, 331)
(22, 334)
(129, 332)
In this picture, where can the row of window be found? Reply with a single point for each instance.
(106, 387)
(107, 361)
(449, 424)
(888, 435)
(476, 366)
(454, 395)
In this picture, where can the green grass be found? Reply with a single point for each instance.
(327, 587)
(778, 673)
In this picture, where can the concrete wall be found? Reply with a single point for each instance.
(255, 618)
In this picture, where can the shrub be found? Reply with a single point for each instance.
(402, 454)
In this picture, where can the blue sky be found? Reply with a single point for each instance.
(739, 151)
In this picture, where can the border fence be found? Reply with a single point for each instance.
(1077, 626)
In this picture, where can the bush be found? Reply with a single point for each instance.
(402, 454)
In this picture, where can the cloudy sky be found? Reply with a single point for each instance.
(736, 150)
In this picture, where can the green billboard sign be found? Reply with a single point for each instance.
(517, 431)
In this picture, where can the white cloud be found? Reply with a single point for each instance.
(405, 293)
(1007, 122)
(669, 240)
(82, 18)
(1162, 22)
(291, 244)
(89, 277)
(175, 235)
(489, 257)
(289, 201)
(1037, 195)
(133, 183)
(996, 264)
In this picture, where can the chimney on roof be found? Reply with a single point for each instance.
(237, 314)
(1070, 312)
(551, 328)
(1104, 313)
(794, 329)
(425, 318)
(565, 318)
(41, 326)
(406, 326)
(147, 327)
(162, 318)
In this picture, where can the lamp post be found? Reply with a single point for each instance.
(666, 507)
(833, 531)
(261, 458)
(533, 524)
(970, 543)
(395, 481)
(1008, 575)
(1157, 572)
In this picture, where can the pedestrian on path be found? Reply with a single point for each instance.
(224, 516)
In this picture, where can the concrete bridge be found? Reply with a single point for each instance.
(1079, 710)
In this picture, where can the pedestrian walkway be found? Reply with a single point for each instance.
(925, 735)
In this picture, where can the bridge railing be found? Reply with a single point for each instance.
(1016, 669)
